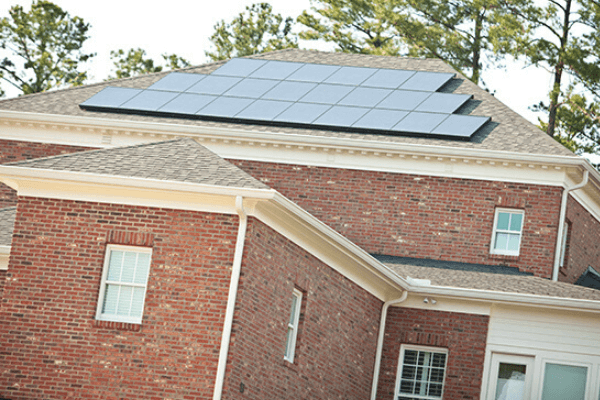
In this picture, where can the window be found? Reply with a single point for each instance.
(123, 286)
(421, 373)
(292, 331)
(508, 228)
(564, 382)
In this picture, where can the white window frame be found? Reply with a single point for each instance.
(428, 349)
(104, 282)
(496, 231)
(292, 330)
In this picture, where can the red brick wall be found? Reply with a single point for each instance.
(2, 283)
(336, 345)
(464, 335)
(420, 216)
(583, 242)
(13, 151)
(50, 345)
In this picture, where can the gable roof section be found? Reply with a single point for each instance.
(180, 160)
(491, 282)
(507, 131)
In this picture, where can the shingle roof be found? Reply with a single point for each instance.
(494, 282)
(7, 222)
(508, 131)
(181, 160)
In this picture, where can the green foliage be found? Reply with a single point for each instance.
(257, 30)
(134, 62)
(42, 48)
(464, 33)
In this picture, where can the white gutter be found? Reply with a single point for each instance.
(275, 136)
(233, 288)
(380, 339)
(561, 222)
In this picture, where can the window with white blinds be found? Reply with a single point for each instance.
(123, 287)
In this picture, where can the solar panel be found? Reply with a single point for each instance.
(417, 122)
(177, 82)
(253, 88)
(149, 100)
(264, 110)
(380, 119)
(313, 73)
(325, 96)
(443, 102)
(111, 97)
(364, 97)
(341, 116)
(302, 113)
(240, 67)
(350, 76)
(216, 85)
(460, 125)
(225, 107)
(426, 81)
(187, 103)
(403, 100)
(388, 78)
(276, 70)
(290, 91)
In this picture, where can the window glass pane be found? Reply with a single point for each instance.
(289, 342)
(124, 301)
(515, 222)
(513, 242)
(564, 382)
(293, 312)
(143, 265)
(129, 261)
(137, 303)
(511, 381)
(114, 269)
(501, 241)
(503, 219)
(111, 296)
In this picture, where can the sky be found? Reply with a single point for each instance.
(183, 27)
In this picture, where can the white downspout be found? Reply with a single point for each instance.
(233, 288)
(561, 223)
(380, 339)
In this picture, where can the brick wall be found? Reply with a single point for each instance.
(2, 282)
(337, 339)
(51, 347)
(464, 335)
(583, 242)
(13, 151)
(420, 216)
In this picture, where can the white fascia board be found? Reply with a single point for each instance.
(510, 298)
(126, 190)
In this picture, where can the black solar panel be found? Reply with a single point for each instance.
(111, 97)
(149, 100)
(426, 81)
(187, 103)
(298, 94)
(240, 67)
(443, 102)
(177, 82)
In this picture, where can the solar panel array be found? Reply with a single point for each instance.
(308, 95)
